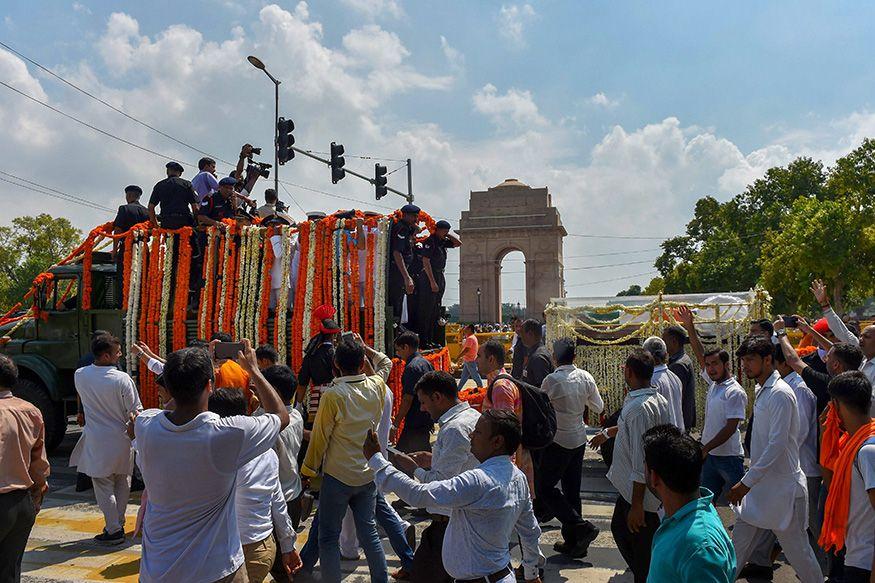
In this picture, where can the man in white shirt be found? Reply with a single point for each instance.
(109, 397)
(189, 458)
(772, 495)
(450, 456)
(851, 397)
(635, 521)
(666, 383)
(571, 391)
(488, 504)
(725, 408)
(258, 501)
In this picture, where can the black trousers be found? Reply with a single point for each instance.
(857, 575)
(634, 546)
(565, 466)
(428, 565)
(17, 515)
(415, 439)
(395, 293)
(428, 305)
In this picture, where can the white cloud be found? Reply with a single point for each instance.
(602, 100)
(454, 56)
(79, 7)
(635, 180)
(376, 8)
(513, 106)
(512, 21)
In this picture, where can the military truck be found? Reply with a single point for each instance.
(49, 349)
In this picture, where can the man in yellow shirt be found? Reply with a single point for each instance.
(350, 407)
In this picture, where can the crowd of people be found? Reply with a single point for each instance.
(241, 446)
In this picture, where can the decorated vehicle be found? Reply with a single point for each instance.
(145, 294)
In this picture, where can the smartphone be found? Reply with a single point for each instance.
(347, 337)
(228, 350)
(393, 450)
(791, 321)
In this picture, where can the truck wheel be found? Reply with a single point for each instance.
(53, 413)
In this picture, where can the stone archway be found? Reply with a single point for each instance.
(509, 217)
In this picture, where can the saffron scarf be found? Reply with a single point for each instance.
(832, 440)
(835, 517)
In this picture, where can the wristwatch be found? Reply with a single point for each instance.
(781, 332)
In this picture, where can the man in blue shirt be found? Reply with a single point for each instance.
(691, 545)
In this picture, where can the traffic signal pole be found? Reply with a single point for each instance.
(276, 140)
(408, 196)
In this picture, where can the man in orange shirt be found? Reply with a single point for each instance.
(23, 471)
(468, 357)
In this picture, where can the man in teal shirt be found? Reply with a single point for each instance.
(691, 545)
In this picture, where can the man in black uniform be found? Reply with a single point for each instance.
(400, 282)
(431, 283)
(219, 205)
(128, 215)
(418, 424)
(177, 199)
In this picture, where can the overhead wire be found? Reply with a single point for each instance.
(57, 194)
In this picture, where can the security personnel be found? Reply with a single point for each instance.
(219, 205)
(430, 282)
(177, 199)
(128, 215)
(401, 241)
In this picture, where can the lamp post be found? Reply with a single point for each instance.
(479, 310)
(258, 64)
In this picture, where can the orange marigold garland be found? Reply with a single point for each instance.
(180, 300)
(371, 236)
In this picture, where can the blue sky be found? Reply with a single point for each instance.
(628, 112)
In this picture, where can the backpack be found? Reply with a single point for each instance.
(539, 417)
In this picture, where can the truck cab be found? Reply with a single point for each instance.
(49, 348)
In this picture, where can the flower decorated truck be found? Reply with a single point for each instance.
(256, 282)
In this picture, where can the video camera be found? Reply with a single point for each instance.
(254, 171)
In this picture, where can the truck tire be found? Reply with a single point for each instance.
(53, 413)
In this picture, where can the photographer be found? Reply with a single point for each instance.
(273, 206)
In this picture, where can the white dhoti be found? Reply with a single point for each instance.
(112, 494)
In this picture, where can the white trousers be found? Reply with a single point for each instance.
(112, 494)
(794, 541)
(349, 542)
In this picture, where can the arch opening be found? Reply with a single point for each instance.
(510, 268)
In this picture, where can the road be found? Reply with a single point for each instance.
(60, 547)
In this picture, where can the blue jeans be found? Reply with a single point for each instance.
(470, 371)
(334, 498)
(721, 471)
(389, 521)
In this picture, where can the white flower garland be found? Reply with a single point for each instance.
(242, 262)
(256, 274)
(308, 295)
(282, 302)
(131, 318)
(166, 292)
(380, 285)
(341, 276)
(208, 282)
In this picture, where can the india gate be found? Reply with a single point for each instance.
(509, 217)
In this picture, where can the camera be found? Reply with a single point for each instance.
(256, 151)
(281, 207)
(260, 168)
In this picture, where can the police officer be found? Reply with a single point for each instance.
(401, 241)
(176, 198)
(430, 282)
(219, 205)
(128, 215)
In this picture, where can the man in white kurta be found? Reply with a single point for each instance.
(773, 493)
(108, 397)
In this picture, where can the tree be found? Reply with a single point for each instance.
(633, 290)
(656, 286)
(28, 247)
(720, 250)
(831, 237)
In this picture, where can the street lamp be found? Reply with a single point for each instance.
(479, 310)
(258, 64)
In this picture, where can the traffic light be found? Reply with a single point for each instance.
(380, 181)
(285, 139)
(337, 162)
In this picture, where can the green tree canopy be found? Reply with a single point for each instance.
(28, 247)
